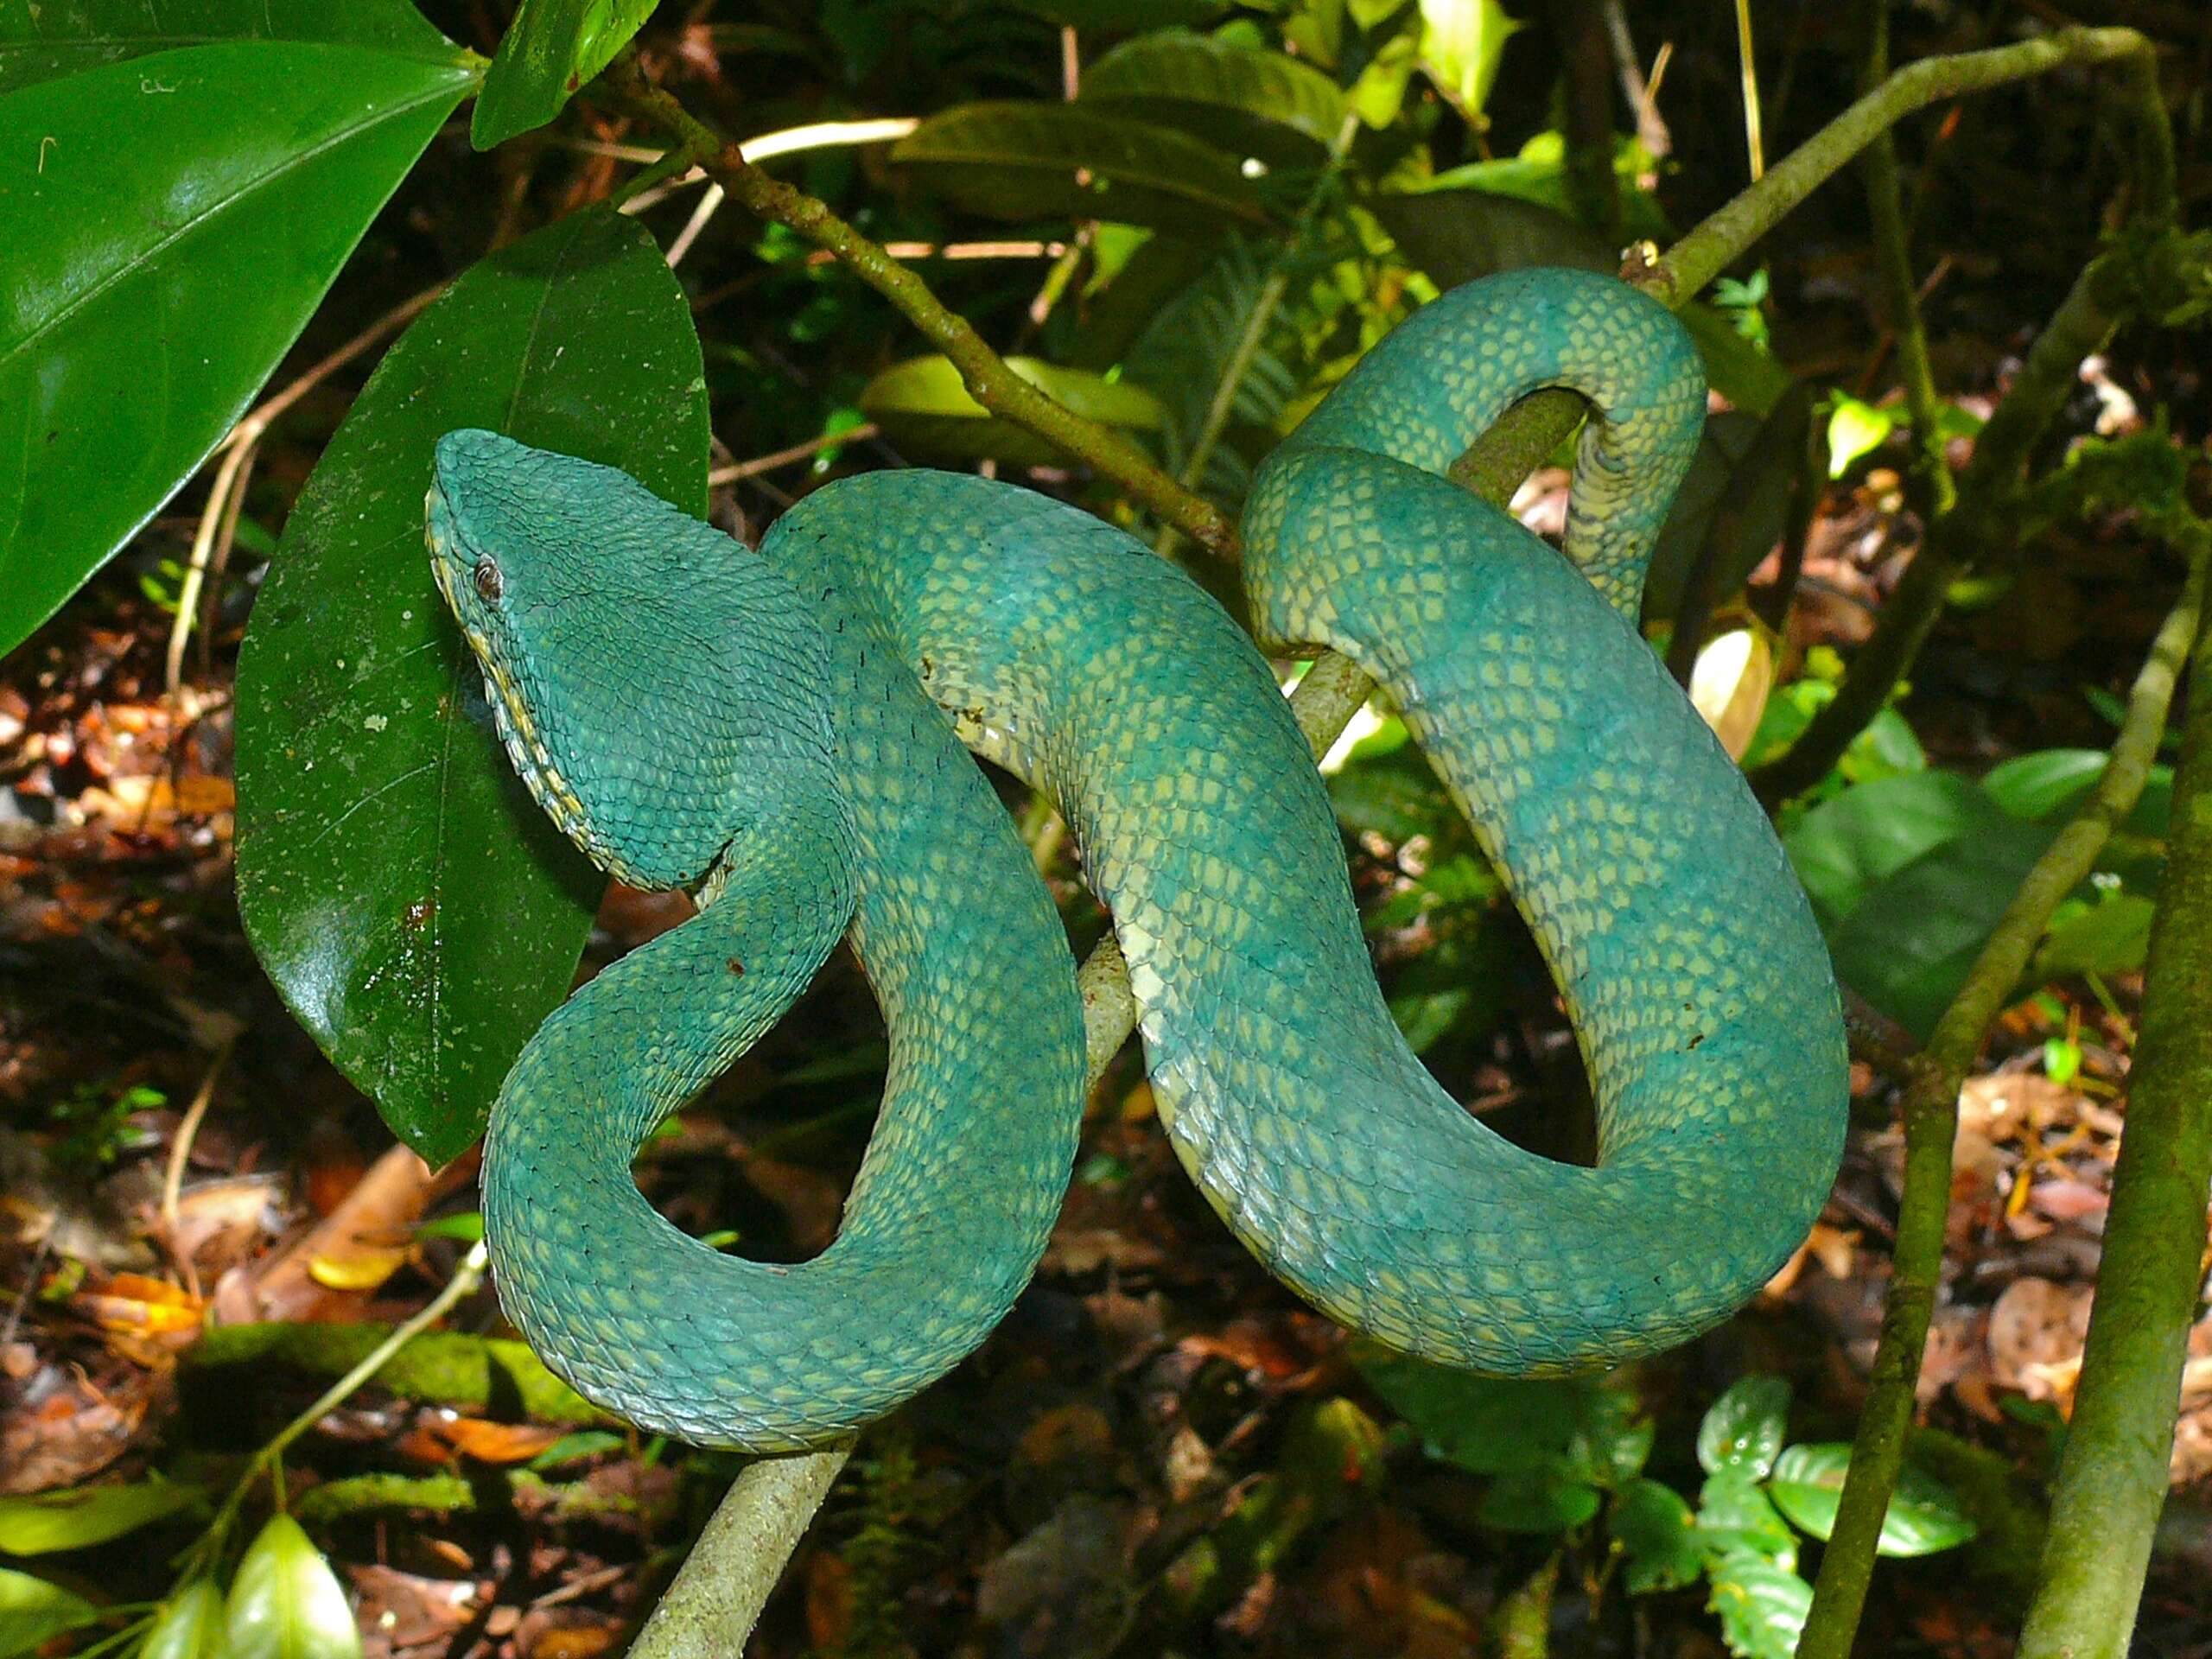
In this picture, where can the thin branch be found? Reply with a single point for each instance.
(1714, 246)
(813, 446)
(2113, 1474)
(1931, 1113)
(988, 379)
(2084, 322)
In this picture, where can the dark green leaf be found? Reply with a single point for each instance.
(65, 37)
(1844, 847)
(1486, 1425)
(1761, 1607)
(923, 407)
(1020, 160)
(552, 47)
(190, 1625)
(130, 338)
(33, 1612)
(418, 912)
(1455, 236)
(1738, 369)
(87, 1515)
(1247, 101)
(1745, 512)
(1924, 1515)
(1743, 1429)
(1537, 1500)
(1653, 1527)
(286, 1602)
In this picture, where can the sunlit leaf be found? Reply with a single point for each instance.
(286, 1602)
(83, 1516)
(1855, 429)
(418, 912)
(1461, 41)
(130, 339)
(923, 407)
(1735, 1517)
(33, 1612)
(552, 47)
(191, 1625)
(1924, 1515)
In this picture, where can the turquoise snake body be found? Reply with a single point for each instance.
(775, 725)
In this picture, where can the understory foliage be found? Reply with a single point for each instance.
(264, 880)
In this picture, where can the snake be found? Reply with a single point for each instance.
(788, 731)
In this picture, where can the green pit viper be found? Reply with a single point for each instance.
(772, 727)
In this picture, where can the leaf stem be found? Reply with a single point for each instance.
(1931, 1112)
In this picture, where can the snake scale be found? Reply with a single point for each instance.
(772, 726)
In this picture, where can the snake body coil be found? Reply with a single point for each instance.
(769, 727)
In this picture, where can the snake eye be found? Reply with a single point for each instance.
(489, 582)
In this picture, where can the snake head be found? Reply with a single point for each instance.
(649, 676)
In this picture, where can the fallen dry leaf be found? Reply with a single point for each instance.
(2036, 1331)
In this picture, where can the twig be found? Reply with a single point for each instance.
(988, 379)
(235, 450)
(2085, 319)
(768, 463)
(1931, 1112)
(466, 1278)
(2112, 1476)
(1714, 246)
(180, 1151)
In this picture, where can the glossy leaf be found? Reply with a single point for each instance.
(83, 1516)
(1855, 430)
(1924, 1516)
(1461, 41)
(1249, 101)
(1020, 161)
(1457, 235)
(923, 407)
(175, 220)
(1762, 1607)
(33, 1612)
(417, 911)
(1735, 1517)
(286, 1602)
(1743, 1429)
(1845, 846)
(65, 37)
(192, 1626)
(552, 47)
(1654, 1529)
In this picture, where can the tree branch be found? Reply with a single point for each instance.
(2112, 1476)
(1930, 1115)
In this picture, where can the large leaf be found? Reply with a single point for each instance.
(286, 1602)
(552, 47)
(65, 37)
(171, 221)
(1762, 1607)
(83, 1516)
(418, 912)
(923, 408)
(1845, 846)
(1020, 161)
(1250, 102)
(1458, 235)
(1924, 1516)
(1460, 43)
